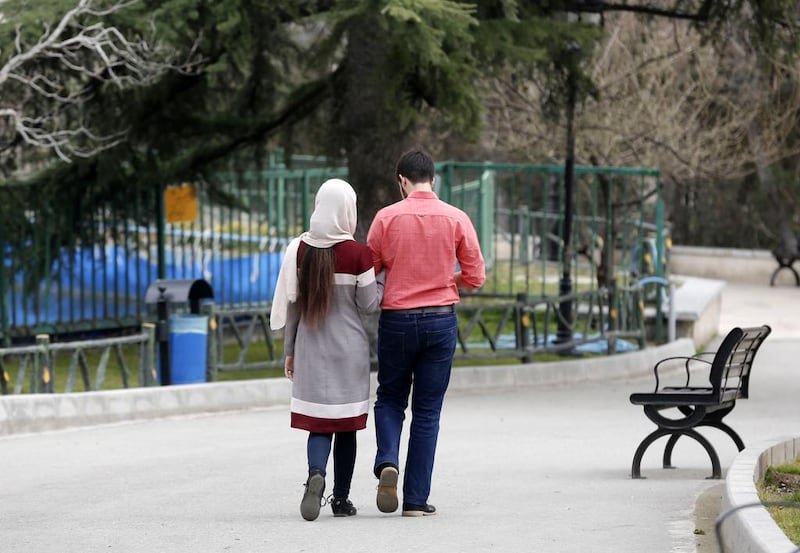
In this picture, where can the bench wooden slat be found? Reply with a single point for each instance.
(677, 397)
(674, 397)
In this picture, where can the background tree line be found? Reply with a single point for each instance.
(115, 97)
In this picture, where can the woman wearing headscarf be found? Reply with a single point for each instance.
(326, 281)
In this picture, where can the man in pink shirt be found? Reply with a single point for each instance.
(418, 242)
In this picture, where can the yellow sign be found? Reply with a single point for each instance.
(181, 203)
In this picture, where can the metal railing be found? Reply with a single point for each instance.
(490, 327)
(89, 363)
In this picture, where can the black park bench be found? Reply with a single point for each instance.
(785, 259)
(710, 390)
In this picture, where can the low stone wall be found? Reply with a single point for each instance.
(736, 265)
(698, 304)
(746, 525)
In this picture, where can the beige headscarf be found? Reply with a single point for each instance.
(333, 220)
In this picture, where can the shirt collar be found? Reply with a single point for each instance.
(422, 194)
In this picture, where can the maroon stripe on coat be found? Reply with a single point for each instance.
(326, 426)
(352, 258)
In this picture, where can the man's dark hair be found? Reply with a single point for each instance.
(416, 166)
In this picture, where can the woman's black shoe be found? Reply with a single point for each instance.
(342, 507)
(312, 497)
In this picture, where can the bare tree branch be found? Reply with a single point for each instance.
(86, 50)
(665, 100)
(699, 15)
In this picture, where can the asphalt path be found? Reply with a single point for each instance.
(539, 468)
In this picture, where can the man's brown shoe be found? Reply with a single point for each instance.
(387, 490)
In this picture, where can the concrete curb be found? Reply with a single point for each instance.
(751, 529)
(43, 412)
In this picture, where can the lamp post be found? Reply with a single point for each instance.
(564, 329)
(591, 14)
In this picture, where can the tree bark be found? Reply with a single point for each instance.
(371, 133)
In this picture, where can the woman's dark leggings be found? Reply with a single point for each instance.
(344, 458)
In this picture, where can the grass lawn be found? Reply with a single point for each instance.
(782, 483)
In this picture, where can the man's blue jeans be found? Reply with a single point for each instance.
(414, 351)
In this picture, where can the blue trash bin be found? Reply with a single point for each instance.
(188, 347)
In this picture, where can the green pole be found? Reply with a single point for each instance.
(447, 190)
(306, 194)
(659, 260)
(281, 195)
(660, 254)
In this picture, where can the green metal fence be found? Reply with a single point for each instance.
(618, 231)
(85, 265)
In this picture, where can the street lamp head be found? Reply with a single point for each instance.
(585, 11)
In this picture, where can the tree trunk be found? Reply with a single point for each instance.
(372, 135)
(786, 239)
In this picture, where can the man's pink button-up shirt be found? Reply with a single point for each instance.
(418, 241)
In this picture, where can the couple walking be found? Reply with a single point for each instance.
(327, 281)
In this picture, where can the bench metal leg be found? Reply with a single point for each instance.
(729, 431)
(666, 462)
(776, 271)
(636, 472)
(714, 420)
(636, 466)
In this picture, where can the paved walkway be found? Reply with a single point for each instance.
(543, 468)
